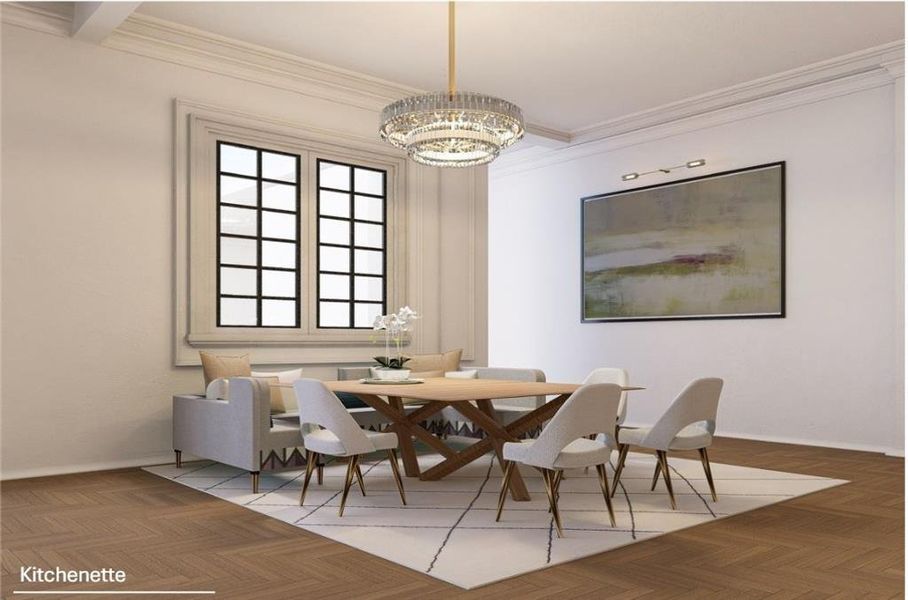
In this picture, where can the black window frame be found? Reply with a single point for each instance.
(258, 238)
(352, 247)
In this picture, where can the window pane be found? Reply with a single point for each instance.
(279, 283)
(334, 314)
(278, 225)
(239, 281)
(238, 160)
(278, 195)
(331, 231)
(334, 286)
(367, 288)
(238, 311)
(279, 312)
(334, 259)
(236, 251)
(369, 182)
(334, 204)
(367, 261)
(364, 314)
(240, 221)
(368, 235)
(332, 175)
(369, 209)
(237, 190)
(279, 166)
(278, 254)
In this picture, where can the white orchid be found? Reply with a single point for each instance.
(394, 325)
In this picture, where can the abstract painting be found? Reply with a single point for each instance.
(710, 247)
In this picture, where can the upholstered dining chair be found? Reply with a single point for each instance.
(564, 444)
(688, 424)
(616, 376)
(341, 437)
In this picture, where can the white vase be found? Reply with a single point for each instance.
(386, 374)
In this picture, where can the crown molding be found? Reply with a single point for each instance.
(187, 46)
(510, 164)
(848, 65)
(151, 37)
(32, 17)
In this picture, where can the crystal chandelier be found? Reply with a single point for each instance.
(452, 129)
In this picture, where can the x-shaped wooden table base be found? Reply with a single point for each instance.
(481, 414)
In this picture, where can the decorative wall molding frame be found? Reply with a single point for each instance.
(420, 259)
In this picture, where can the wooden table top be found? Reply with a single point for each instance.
(456, 390)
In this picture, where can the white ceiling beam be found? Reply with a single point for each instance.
(94, 21)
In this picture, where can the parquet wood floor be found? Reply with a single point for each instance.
(845, 542)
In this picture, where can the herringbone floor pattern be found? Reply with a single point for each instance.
(845, 542)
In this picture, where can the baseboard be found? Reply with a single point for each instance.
(887, 450)
(156, 459)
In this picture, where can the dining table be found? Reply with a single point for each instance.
(472, 398)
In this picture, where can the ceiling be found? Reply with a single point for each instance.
(568, 64)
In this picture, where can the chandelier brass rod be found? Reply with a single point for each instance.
(452, 78)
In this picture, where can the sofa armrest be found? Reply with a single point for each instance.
(227, 431)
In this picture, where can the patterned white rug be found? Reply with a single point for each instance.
(448, 529)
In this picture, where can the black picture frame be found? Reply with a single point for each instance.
(781, 313)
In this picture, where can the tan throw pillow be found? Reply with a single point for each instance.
(283, 399)
(216, 366)
(426, 374)
(446, 361)
(277, 400)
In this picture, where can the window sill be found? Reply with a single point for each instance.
(287, 338)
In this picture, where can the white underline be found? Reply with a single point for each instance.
(145, 592)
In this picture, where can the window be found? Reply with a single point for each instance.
(258, 237)
(351, 245)
(289, 240)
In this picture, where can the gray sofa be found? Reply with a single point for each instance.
(238, 432)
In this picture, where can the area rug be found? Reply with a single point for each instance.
(448, 529)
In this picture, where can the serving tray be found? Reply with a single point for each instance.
(387, 382)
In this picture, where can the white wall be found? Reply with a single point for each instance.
(828, 374)
(87, 248)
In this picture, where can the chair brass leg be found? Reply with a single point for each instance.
(603, 483)
(556, 483)
(549, 478)
(255, 481)
(320, 470)
(663, 461)
(311, 459)
(178, 454)
(704, 458)
(505, 482)
(359, 479)
(623, 449)
(348, 481)
(656, 473)
(395, 470)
